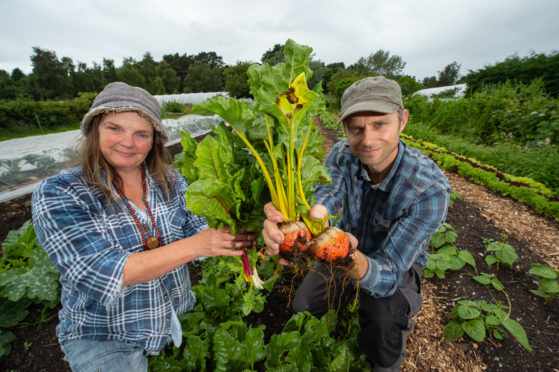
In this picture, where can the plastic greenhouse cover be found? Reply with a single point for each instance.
(25, 161)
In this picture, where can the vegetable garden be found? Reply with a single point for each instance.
(490, 291)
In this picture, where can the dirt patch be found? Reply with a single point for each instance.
(481, 214)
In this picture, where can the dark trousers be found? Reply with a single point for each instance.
(384, 321)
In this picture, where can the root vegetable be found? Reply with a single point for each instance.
(330, 246)
(296, 238)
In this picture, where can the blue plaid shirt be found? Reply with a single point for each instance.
(89, 240)
(394, 220)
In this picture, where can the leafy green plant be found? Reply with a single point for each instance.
(502, 253)
(445, 256)
(531, 193)
(548, 286)
(277, 128)
(479, 318)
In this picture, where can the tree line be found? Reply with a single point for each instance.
(54, 78)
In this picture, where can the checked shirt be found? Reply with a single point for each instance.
(89, 240)
(394, 220)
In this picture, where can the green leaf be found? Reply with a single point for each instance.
(490, 260)
(467, 312)
(549, 286)
(6, 338)
(483, 279)
(467, 257)
(213, 200)
(518, 332)
(543, 271)
(196, 352)
(448, 249)
(492, 321)
(453, 330)
(508, 255)
(12, 313)
(475, 329)
(497, 284)
(39, 283)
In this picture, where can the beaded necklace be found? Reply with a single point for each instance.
(147, 243)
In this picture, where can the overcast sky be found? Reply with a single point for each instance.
(427, 34)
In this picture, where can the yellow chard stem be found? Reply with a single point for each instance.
(275, 199)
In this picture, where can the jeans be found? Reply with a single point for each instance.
(97, 356)
(384, 321)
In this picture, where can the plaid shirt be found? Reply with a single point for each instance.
(394, 220)
(89, 240)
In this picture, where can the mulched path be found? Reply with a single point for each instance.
(480, 214)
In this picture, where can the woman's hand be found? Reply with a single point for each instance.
(221, 242)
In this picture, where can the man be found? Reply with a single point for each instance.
(393, 199)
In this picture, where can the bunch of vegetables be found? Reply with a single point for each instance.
(276, 145)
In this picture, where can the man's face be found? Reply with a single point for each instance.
(374, 138)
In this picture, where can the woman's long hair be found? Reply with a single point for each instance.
(94, 165)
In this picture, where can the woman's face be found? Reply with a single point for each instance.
(125, 139)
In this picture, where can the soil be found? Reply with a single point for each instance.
(479, 214)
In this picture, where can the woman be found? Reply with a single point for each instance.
(118, 230)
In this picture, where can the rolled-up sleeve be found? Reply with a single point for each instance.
(71, 229)
(405, 241)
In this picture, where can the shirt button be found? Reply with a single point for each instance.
(166, 319)
(165, 297)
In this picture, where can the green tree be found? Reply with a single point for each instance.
(409, 85)
(318, 68)
(449, 75)
(8, 88)
(147, 68)
(180, 64)
(203, 77)
(236, 80)
(169, 79)
(380, 63)
(49, 78)
(520, 70)
(210, 58)
(430, 82)
(128, 74)
(273, 56)
(109, 71)
(330, 70)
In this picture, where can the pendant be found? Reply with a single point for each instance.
(152, 243)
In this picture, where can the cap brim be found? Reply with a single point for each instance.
(376, 106)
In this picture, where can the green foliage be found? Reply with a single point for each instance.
(445, 255)
(6, 338)
(532, 194)
(47, 114)
(517, 113)
(502, 253)
(26, 276)
(548, 286)
(380, 63)
(479, 318)
(226, 185)
(273, 56)
(236, 80)
(521, 70)
(533, 162)
(277, 129)
(409, 85)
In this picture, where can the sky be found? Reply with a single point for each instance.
(427, 34)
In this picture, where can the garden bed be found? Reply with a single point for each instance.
(481, 214)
